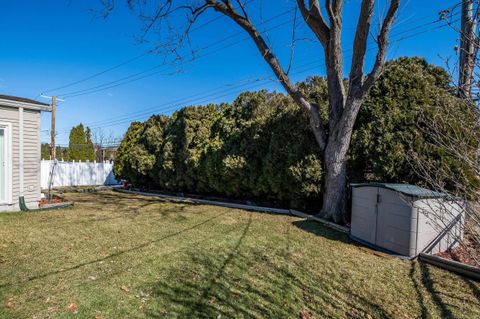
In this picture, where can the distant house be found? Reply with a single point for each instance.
(19, 151)
(106, 153)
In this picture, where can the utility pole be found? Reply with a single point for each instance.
(52, 133)
(54, 107)
(52, 151)
(468, 50)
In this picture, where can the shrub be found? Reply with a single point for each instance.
(261, 146)
(409, 95)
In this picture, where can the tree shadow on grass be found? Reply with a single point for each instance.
(423, 283)
(323, 231)
(116, 254)
(249, 280)
(104, 201)
(473, 287)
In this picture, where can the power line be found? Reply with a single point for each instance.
(126, 61)
(143, 74)
(241, 84)
(100, 73)
(136, 57)
(127, 118)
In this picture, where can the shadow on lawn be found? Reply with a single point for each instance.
(473, 287)
(424, 285)
(122, 208)
(253, 281)
(422, 280)
(116, 254)
(323, 231)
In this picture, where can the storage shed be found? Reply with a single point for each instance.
(19, 151)
(405, 219)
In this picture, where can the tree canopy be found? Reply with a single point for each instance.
(80, 146)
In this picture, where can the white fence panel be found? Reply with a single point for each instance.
(77, 174)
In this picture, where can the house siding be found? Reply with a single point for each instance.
(31, 150)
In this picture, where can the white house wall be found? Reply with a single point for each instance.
(31, 155)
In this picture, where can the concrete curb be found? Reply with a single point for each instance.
(262, 209)
(451, 265)
(210, 202)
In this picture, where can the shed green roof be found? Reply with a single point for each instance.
(407, 189)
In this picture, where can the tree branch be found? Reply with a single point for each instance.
(274, 63)
(382, 41)
(360, 45)
(292, 47)
(334, 63)
(314, 19)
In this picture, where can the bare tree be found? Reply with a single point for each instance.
(326, 23)
(103, 143)
(455, 128)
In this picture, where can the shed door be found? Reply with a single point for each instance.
(364, 202)
(394, 222)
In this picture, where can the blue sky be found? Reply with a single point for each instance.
(51, 43)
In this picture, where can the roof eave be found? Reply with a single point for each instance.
(31, 106)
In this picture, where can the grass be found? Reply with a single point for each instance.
(123, 256)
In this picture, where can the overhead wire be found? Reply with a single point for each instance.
(174, 105)
(128, 61)
(134, 78)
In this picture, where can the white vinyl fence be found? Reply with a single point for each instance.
(77, 173)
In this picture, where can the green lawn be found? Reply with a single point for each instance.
(122, 256)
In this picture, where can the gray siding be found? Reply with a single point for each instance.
(31, 155)
(402, 224)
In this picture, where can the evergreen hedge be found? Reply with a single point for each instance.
(261, 146)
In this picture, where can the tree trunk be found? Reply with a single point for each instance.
(334, 158)
(333, 140)
(335, 180)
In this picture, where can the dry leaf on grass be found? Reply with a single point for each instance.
(72, 308)
(10, 304)
(305, 314)
(124, 288)
(98, 316)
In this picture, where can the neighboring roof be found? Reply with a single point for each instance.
(15, 101)
(407, 189)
